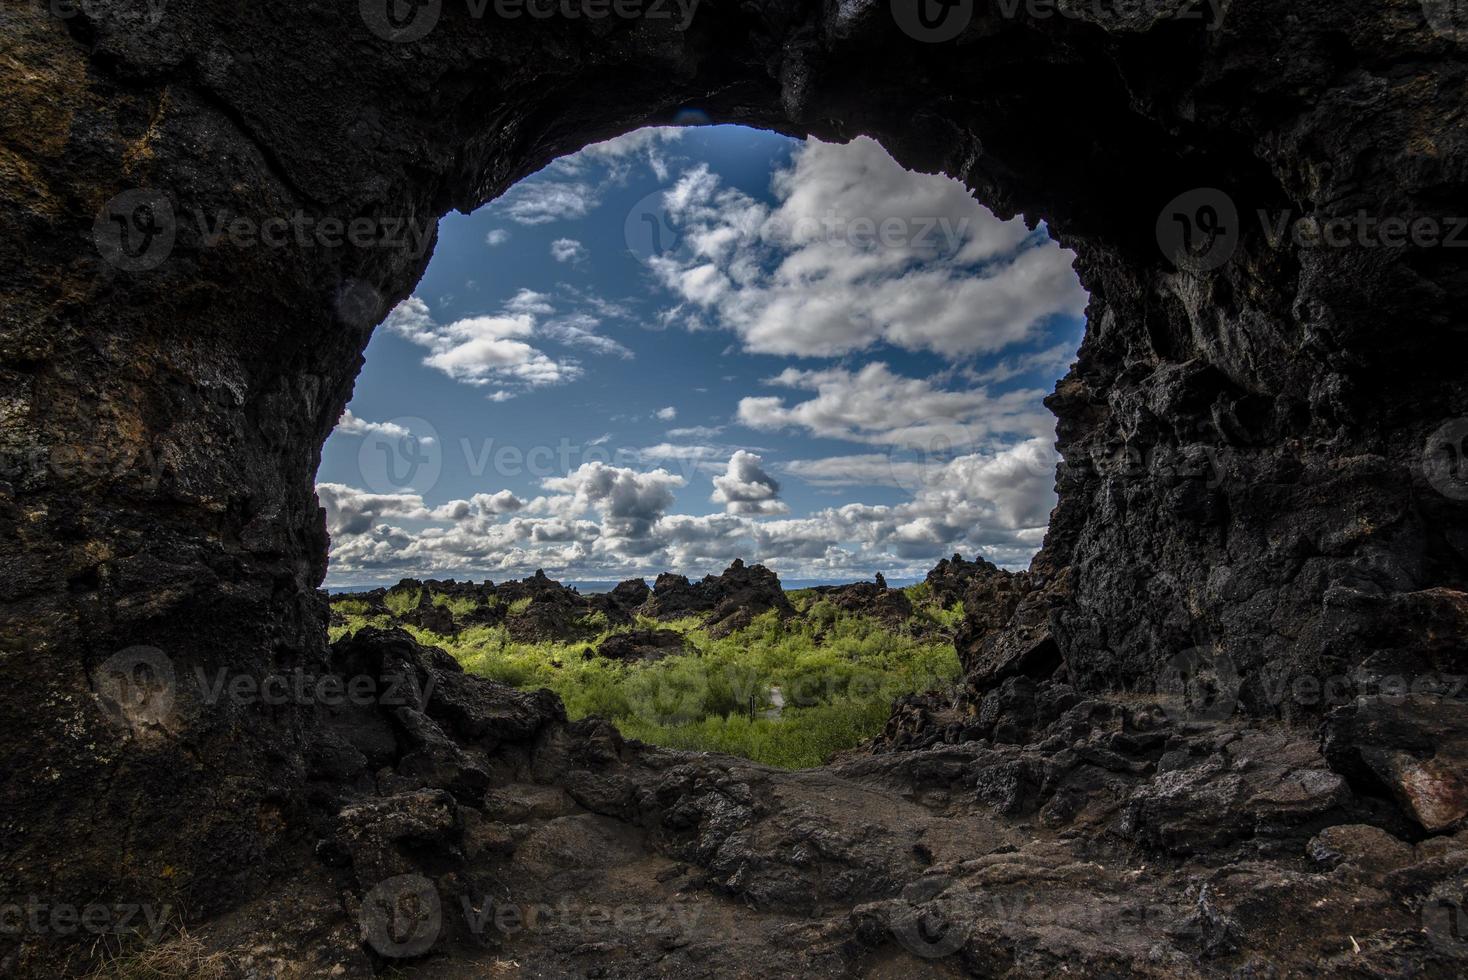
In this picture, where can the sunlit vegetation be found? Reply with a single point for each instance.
(835, 672)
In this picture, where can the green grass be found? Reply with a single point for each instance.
(401, 602)
(461, 606)
(520, 605)
(838, 673)
(350, 607)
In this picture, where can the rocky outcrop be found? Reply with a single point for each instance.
(467, 825)
(726, 602)
(875, 600)
(641, 645)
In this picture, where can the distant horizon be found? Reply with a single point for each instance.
(596, 585)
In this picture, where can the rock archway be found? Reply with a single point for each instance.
(198, 218)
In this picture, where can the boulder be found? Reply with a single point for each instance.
(641, 645)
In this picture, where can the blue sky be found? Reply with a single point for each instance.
(684, 346)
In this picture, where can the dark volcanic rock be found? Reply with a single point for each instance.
(641, 645)
(951, 579)
(1261, 440)
(1415, 747)
(727, 602)
(876, 600)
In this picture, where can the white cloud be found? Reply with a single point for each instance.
(567, 250)
(859, 251)
(667, 413)
(499, 349)
(538, 202)
(496, 236)
(874, 405)
(629, 501)
(350, 425)
(745, 488)
(696, 432)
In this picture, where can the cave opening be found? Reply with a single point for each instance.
(1324, 548)
(684, 348)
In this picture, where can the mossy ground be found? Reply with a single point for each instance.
(836, 672)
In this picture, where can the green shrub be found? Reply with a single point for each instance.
(401, 602)
(520, 605)
(458, 605)
(350, 607)
(837, 691)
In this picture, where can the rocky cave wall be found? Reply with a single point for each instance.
(1255, 452)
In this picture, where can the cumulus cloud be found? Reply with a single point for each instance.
(499, 350)
(350, 425)
(629, 502)
(496, 236)
(745, 488)
(539, 202)
(666, 414)
(859, 251)
(876, 405)
(567, 250)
